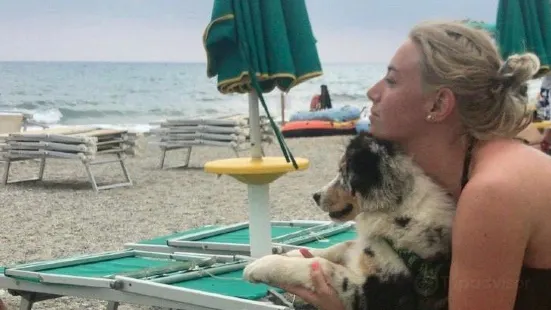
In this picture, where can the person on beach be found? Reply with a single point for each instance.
(543, 107)
(325, 98)
(455, 106)
(321, 101)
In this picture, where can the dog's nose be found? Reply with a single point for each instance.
(317, 197)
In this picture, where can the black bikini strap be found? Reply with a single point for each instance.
(467, 162)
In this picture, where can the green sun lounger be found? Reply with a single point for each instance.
(234, 239)
(174, 278)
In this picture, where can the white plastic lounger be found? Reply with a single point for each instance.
(84, 144)
(176, 134)
(15, 121)
(11, 122)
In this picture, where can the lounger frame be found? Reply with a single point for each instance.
(184, 134)
(88, 145)
(311, 231)
(33, 285)
(43, 155)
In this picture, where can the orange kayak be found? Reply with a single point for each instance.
(316, 128)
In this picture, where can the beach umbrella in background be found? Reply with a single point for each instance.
(254, 47)
(525, 26)
(490, 28)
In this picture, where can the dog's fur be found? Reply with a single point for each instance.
(388, 196)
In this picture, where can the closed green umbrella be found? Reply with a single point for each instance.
(255, 46)
(272, 39)
(525, 26)
(266, 44)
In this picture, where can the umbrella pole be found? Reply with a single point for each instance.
(260, 230)
(254, 121)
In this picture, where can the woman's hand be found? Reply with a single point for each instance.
(324, 297)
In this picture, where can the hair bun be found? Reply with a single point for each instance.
(518, 69)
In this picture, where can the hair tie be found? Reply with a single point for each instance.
(503, 67)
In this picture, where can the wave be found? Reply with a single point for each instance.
(348, 97)
(45, 104)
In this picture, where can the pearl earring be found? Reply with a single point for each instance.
(430, 117)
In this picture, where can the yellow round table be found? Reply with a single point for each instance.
(257, 173)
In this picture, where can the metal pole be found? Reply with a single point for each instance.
(254, 119)
(260, 230)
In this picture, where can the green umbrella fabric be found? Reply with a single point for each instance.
(491, 28)
(525, 26)
(271, 40)
(260, 45)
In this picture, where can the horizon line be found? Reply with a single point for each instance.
(158, 62)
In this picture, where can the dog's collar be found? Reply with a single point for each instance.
(430, 277)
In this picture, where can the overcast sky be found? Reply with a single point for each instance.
(171, 30)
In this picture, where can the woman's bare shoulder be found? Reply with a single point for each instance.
(509, 192)
(513, 163)
(509, 181)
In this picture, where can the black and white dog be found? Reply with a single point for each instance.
(403, 223)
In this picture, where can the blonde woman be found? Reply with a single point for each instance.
(456, 106)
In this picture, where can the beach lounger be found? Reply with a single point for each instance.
(14, 121)
(178, 134)
(78, 143)
(11, 122)
(234, 239)
(178, 279)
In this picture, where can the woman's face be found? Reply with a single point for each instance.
(399, 108)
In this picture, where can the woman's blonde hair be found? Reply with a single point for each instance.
(491, 94)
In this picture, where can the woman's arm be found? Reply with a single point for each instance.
(490, 234)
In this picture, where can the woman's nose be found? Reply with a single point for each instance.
(373, 93)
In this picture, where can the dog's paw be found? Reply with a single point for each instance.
(262, 269)
(277, 270)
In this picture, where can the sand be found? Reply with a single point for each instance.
(62, 216)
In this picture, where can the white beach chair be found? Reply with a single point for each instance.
(85, 144)
(178, 134)
(11, 122)
(15, 122)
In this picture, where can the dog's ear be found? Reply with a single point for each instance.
(363, 163)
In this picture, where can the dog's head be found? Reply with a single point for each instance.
(372, 176)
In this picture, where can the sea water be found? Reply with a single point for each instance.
(132, 95)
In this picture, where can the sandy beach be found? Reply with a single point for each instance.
(62, 216)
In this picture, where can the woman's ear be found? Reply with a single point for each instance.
(442, 106)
